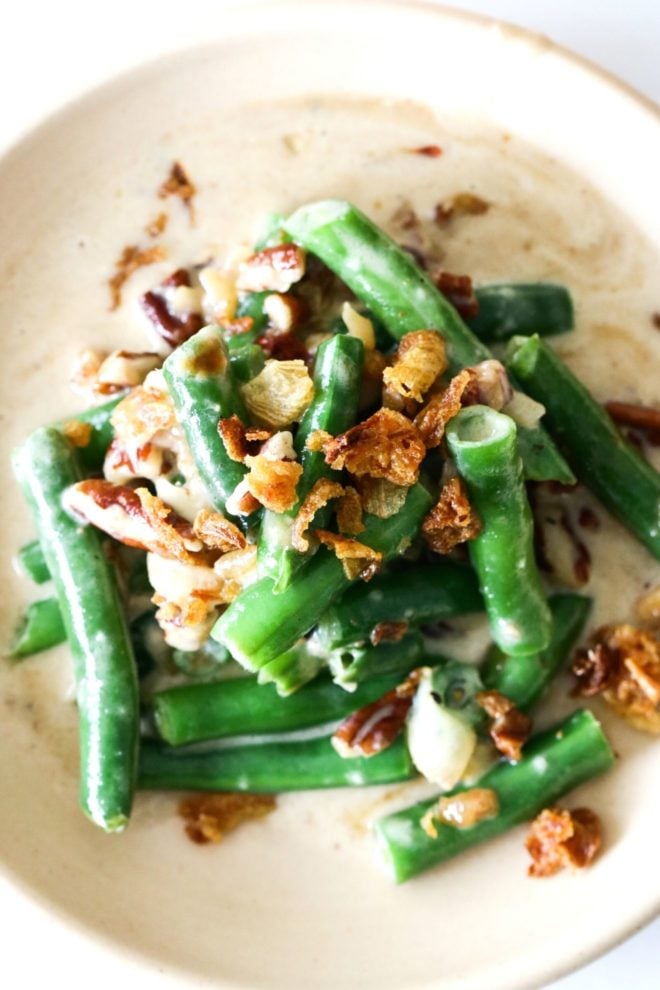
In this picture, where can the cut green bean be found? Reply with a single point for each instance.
(553, 763)
(204, 391)
(607, 464)
(425, 593)
(32, 562)
(352, 665)
(292, 669)
(40, 628)
(510, 308)
(246, 362)
(259, 626)
(269, 767)
(89, 601)
(525, 679)
(337, 379)
(403, 298)
(240, 706)
(92, 455)
(483, 444)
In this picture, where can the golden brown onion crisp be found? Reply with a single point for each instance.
(452, 520)
(386, 445)
(510, 728)
(210, 817)
(432, 420)
(558, 838)
(358, 560)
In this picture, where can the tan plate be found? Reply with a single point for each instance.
(298, 900)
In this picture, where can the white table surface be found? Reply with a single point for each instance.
(51, 51)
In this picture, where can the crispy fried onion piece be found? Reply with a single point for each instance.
(462, 810)
(210, 817)
(510, 727)
(275, 269)
(431, 421)
(178, 183)
(131, 258)
(386, 445)
(106, 374)
(241, 440)
(388, 632)
(559, 838)
(216, 532)
(420, 359)
(349, 511)
(452, 520)
(135, 517)
(358, 560)
(623, 663)
(77, 432)
(374, 727)
(648, 607)
(279, 394)
(379, 497)
(272, 482)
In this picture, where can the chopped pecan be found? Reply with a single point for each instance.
(275, 269)
(432, 420)
(623, 663)
(349, 512)
(380, 497)
(644, 418)
(462, 810)
(122, 465)
(144, 413)
(452, 519)
(655, 320)
(462, 204)
(125, 369)
(492, 384)
(359, 326)
(156, 226)
(588, 519)
(135, 517)
(279, 394)
(388, 632)
(236, 326)
(319, 495)
(174, 330)
(358, 560)
(284, 311)
(387, 445)
(242, 502)
(77, 432)
(457, 289)
(241, 441)
(236, 570)
(179, 184)
(131, 258)
(428, 150)
(283, 346)
(216, 532)
(510, 727)
(420, 359)
(374, 727)
(210, 817)
(559, 838)
(272, 482)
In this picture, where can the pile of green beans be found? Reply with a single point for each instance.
(307, 632)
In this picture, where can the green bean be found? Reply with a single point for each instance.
(403, 298)
(89, 601)
(246, 361)
(483, 444)
(40, 628)
(252, 305)
(511, 308)
(268, 767)
(353, 664)
(202, 386)
(424, 593)
(272, 232)
(337, 379)
(259, 626)
(525, 679)
(92, 455)
(292, 669)
(240, 706)
(607, 464)
(32, 562)
(552, 764)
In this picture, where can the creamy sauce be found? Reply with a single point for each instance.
(543, 223)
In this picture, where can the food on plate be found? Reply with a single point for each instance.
(265, 531)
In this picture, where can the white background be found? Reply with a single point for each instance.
(50, 50)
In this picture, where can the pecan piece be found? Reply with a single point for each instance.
(428, 150)
(374, 727)
(275, 269)
(388, 632)
(210, 817)
(457, 289)
(461, 204)
(510, 727)
(452, 520)
(559, 838)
